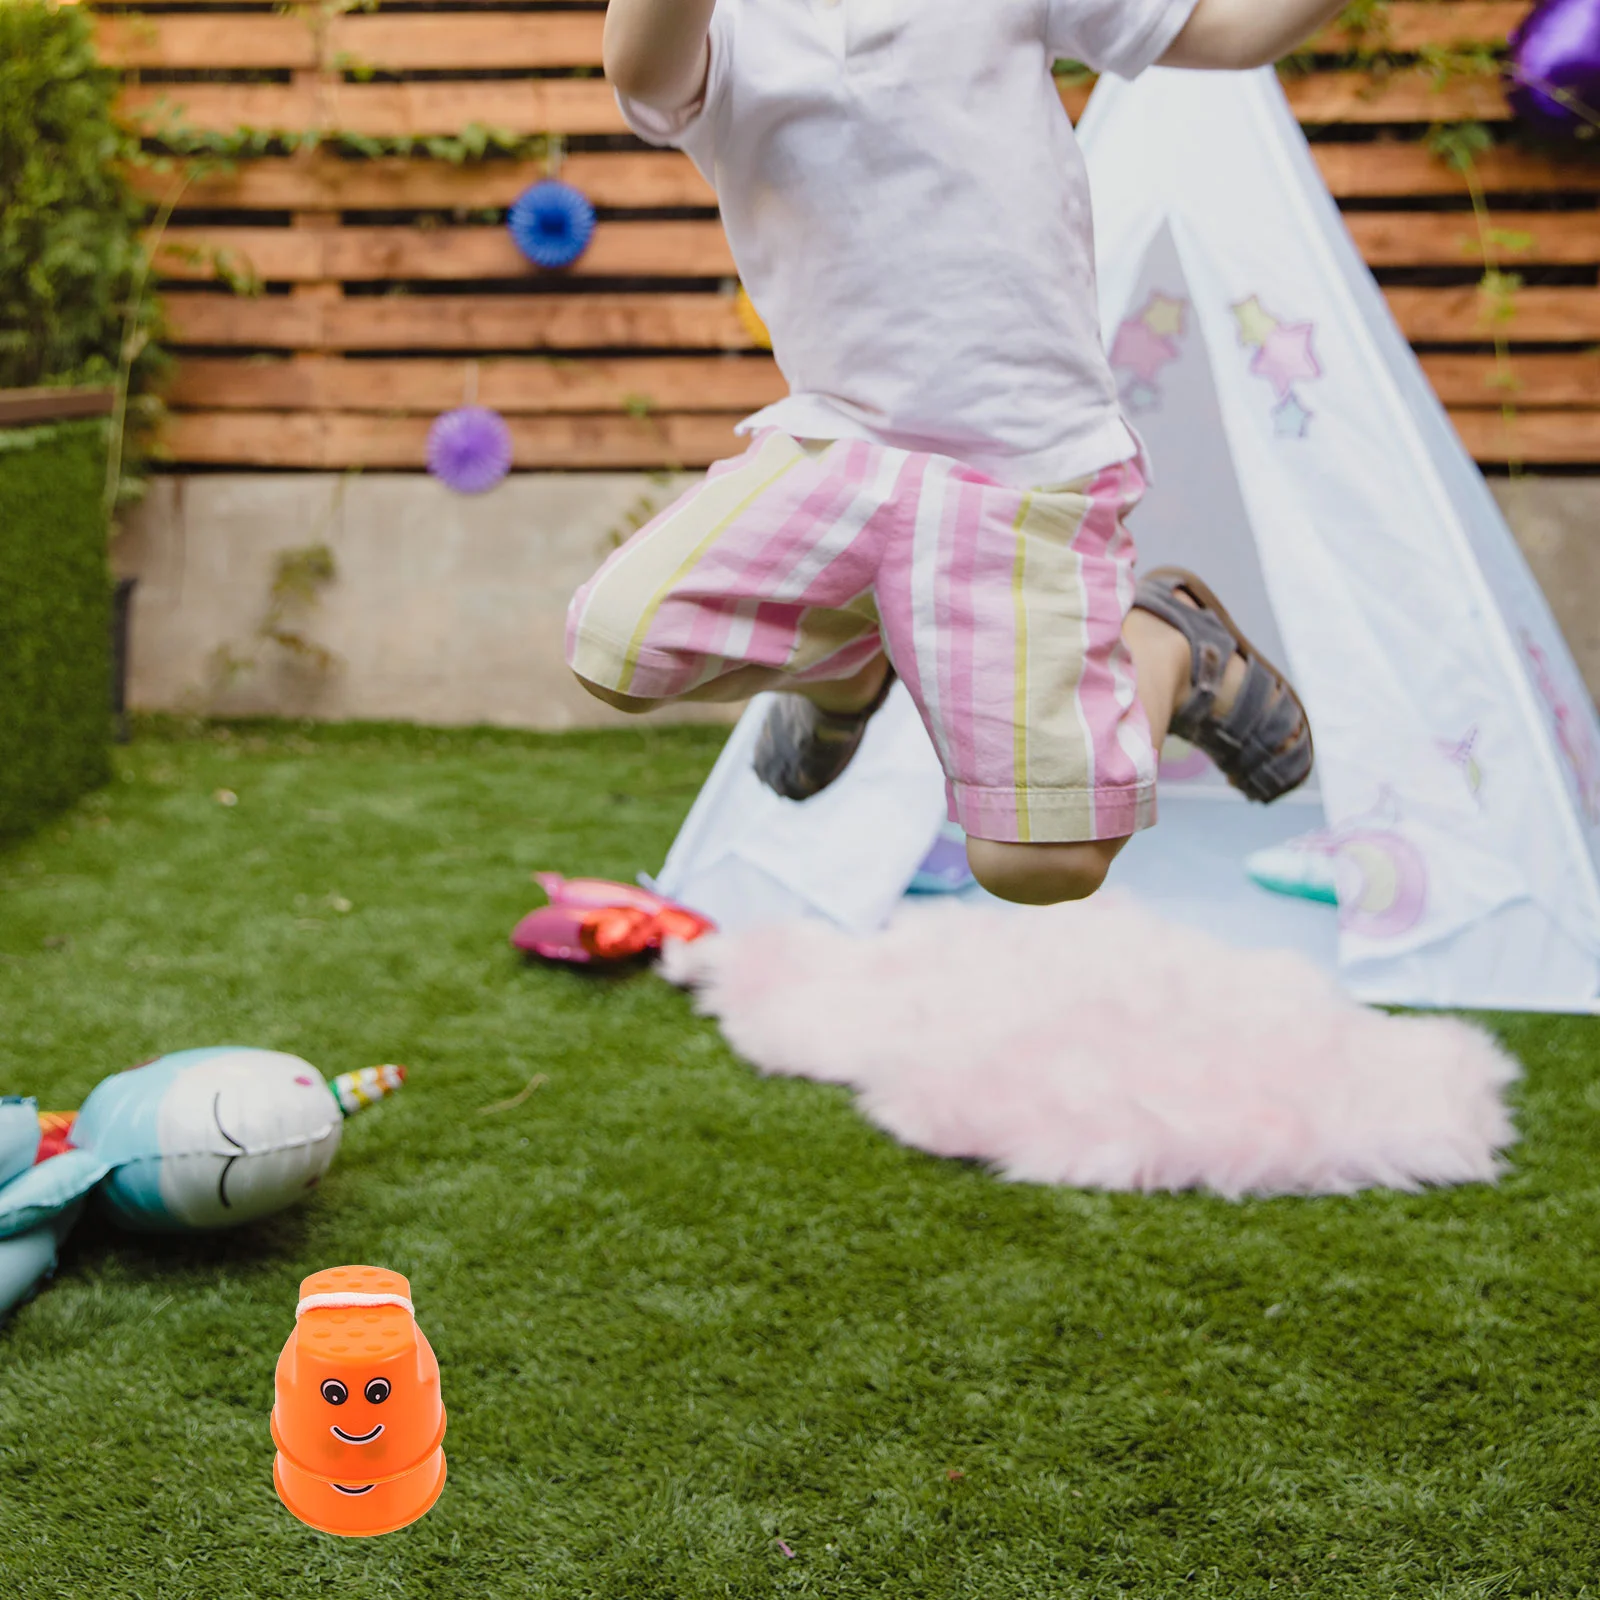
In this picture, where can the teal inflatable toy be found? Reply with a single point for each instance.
(198, 1139)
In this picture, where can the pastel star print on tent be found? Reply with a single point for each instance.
(1144, 346)
(1462, 752)
(1255, 322)
(1164, 315)
(1140, 397)
(1285, 358)
(1142, 351)
(1291, 420)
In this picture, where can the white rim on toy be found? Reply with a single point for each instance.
(349, 1302)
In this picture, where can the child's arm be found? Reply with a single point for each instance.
(1235, 34)
(658, 51)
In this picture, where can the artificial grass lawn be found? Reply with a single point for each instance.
(684, 1314)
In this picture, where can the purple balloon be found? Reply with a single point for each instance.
(1557, 47)
(469, 450)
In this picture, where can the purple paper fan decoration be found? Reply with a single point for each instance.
(552, 223)
(469, 450)
(1557, 47)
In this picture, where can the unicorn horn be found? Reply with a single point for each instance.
(355, 1091)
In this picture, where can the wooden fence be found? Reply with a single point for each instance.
(389, 289)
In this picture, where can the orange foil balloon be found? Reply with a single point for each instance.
(358, 1421)
(614, 933)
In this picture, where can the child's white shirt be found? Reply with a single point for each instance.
(909, 212)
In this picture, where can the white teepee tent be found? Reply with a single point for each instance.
(1304, 467)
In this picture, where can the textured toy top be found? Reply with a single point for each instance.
(356, 1312)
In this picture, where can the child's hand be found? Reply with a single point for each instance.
(658, 51)
(1236, 34)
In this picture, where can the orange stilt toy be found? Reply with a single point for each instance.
(358, 1420)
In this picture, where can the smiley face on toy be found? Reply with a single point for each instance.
(375, 1392)
(358, 1416)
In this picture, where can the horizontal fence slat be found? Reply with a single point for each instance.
(515, 385)
(198, 42)
(710, 321)
(700, 249)
(256, 7)
(1410, 25)
(336, 440)
(532, 385)
(524, 107)
(1464, 316)
(354, 254)
(587, 106)
(24, 407)
(1384, 170)
(452, 42)
(1395, 239)
(1388, 170)
(1402, 96)
(465, 42)
(617, 180)
(1543, 380)
(1533, 438)
(554, 40)
(460, 322)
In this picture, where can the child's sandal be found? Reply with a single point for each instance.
(1263, 745)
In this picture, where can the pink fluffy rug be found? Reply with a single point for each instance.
(1095, 1045)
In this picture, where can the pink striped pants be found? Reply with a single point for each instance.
(1001, 609)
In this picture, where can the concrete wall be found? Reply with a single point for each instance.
(448, 609)
(443, 608)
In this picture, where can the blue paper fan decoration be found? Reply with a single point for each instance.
(552, 223)
(469, 450)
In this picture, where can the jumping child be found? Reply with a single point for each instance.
(942, 496)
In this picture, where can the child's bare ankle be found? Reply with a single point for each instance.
(846, 695)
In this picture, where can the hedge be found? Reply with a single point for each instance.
(72, 262)
(55, 620)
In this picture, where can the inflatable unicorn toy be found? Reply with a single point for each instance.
(198, 1139)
